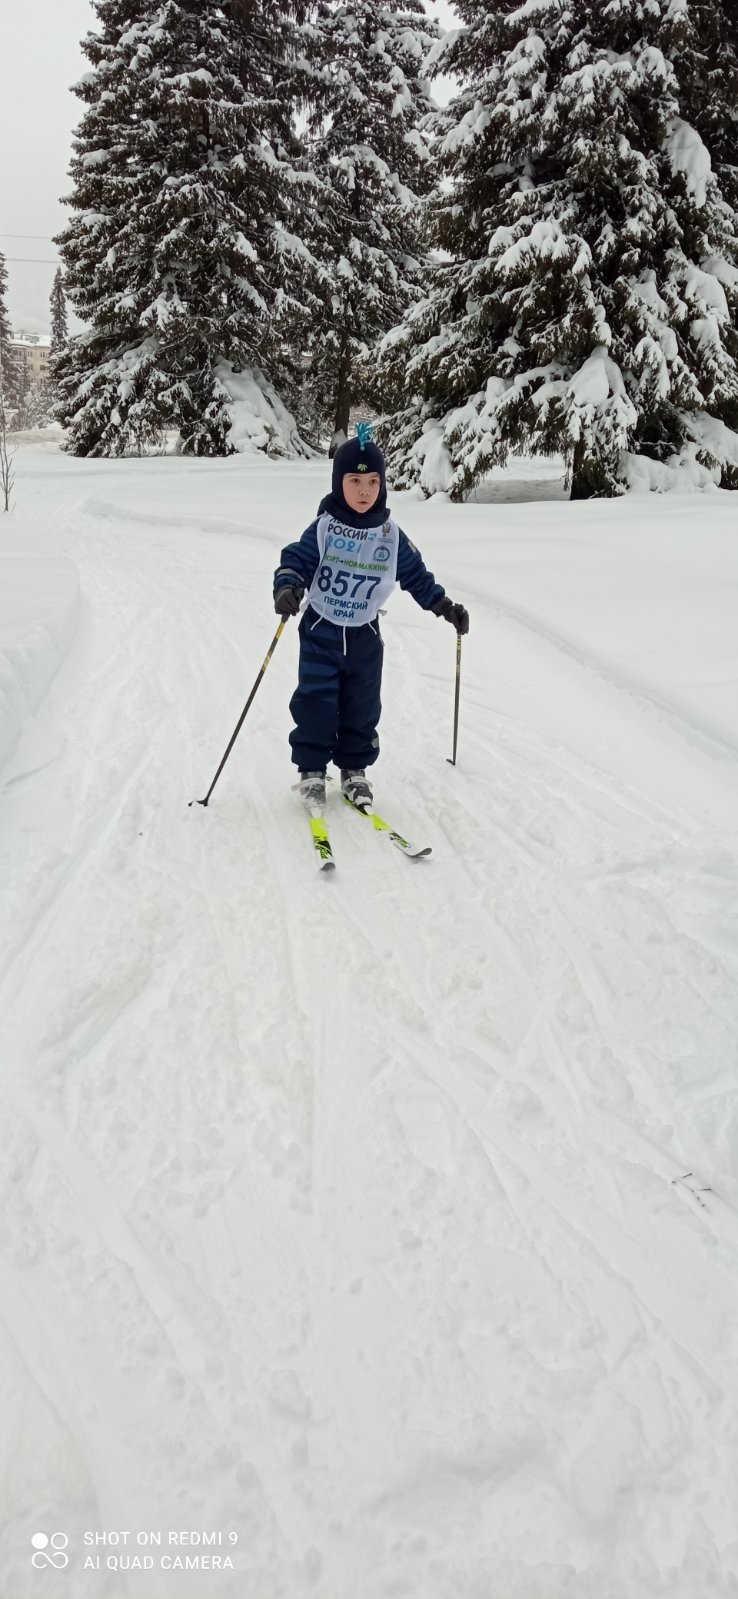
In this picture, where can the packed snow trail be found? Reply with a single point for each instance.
(387, 1220)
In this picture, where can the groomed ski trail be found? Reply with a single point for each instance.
(354, 1215)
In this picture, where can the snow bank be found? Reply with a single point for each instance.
(680, 475)
(39, 611)
(259, 419)
(711, 450)
(52, 434)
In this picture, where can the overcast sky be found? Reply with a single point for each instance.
(40, 59)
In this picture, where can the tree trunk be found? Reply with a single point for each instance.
(343, 399)
(585, 483)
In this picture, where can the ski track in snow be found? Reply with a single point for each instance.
(388, 1219)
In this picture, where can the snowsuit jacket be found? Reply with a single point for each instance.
(299, 561)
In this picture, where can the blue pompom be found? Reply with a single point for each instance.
(364, 433)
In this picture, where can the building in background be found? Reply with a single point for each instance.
(31, 355)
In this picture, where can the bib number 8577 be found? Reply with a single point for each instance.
(340, 584)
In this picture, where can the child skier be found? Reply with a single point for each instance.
(349, 560)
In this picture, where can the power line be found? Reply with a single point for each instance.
(32, 260)
(45, 236)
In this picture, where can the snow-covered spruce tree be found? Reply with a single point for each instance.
(94, 372)
(367, 148)
(293, 77)
(24, 408)
(703, 47)
(9, 374)
(704, 50)
(586, 299)
(58, 310)
(178, 248)
(43, 407)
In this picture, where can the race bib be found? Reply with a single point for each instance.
(357, 570)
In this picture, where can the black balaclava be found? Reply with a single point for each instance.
(357, 455)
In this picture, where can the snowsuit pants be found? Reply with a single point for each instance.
(336, 704)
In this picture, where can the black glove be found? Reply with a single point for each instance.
(287, 600)
(453, 613)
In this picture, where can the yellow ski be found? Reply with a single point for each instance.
(322, 843)
(380, 826)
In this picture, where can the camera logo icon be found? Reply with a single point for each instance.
(49, 1551)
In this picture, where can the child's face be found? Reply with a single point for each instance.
(360, 490)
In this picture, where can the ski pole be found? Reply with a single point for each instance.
(241, 718)
(452, 758)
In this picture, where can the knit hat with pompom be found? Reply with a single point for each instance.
(359, 455)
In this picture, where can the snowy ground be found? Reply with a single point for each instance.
(351, 1216)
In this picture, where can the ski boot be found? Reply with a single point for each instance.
(311, 789)
(354, 787)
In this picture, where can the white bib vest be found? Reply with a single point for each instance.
(357, 570)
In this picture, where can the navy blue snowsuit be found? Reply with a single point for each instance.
(336, 705)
